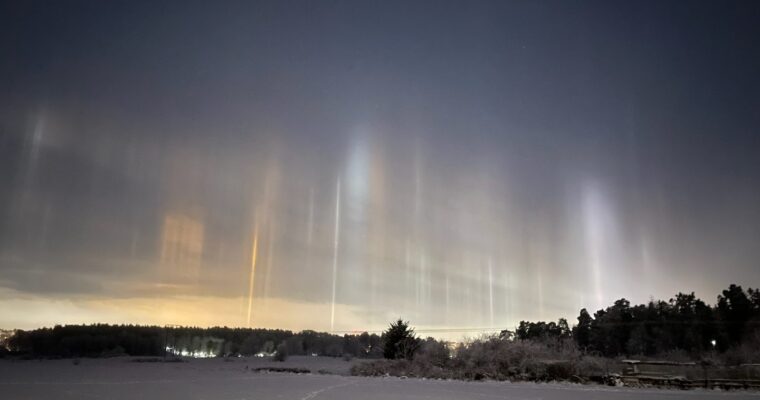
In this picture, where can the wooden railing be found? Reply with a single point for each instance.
(633, 376)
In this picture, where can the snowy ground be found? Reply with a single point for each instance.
(215, 379)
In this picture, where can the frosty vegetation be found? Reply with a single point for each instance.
(683, 328)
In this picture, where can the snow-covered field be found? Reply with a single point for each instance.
(215, 379)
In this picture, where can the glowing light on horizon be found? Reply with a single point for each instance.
(272, 180)
(252, 274)
(490, 289)
(310, 221)
(335, 255)
(269, 262)
(598, 226)
(446, 318)
(182, 240)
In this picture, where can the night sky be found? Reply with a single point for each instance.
(334, 165)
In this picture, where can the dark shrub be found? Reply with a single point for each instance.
(433, 353)
(559, 370)
(281, 354)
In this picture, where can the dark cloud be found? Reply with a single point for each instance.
(497, 160)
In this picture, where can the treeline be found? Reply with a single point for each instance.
(683, 323)
(102, 340)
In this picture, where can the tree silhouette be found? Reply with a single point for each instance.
(399, 341)
(734, 310)
(582, 331)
